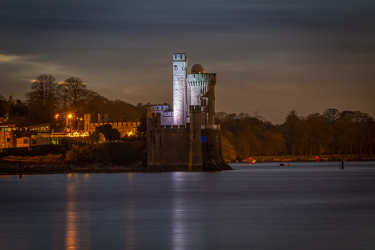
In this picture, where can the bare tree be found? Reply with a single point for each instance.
(43, 97)
(75, 92)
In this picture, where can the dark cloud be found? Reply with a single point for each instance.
(269, 56)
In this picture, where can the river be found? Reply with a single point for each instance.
(313, 205)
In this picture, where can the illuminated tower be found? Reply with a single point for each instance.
(179, 88)
(201, 91)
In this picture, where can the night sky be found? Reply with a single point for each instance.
(269, 56)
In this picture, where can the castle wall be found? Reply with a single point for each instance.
(168, 146)
(166, 114)
(123, 127)
(195, 149)
(211, 150)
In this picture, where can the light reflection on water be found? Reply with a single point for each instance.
(262, 206)
(71, 212)
(178, 234)
(75, 238)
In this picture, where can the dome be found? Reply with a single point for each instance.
(197, 69)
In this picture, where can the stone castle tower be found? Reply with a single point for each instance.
(179, 88)
(186, 138)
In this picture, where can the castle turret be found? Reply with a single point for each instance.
(195, 149)
(201, 91)
(179, 88)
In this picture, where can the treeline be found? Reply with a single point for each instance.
(330, 133)
(48, 100)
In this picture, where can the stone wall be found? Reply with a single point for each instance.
(176, 148)
(211, 149)
(168, 146)
(123, 127)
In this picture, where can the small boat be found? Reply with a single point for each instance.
(251, 160)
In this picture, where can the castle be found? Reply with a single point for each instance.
(186, 138)
(125, 128)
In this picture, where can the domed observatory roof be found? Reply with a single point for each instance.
(197, 69)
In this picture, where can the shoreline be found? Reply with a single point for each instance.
(30, 168)
(322, 158)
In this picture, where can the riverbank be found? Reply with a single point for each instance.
(15, 167)
(290, 158)
(29, 167)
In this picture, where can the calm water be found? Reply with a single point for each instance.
(262, 206)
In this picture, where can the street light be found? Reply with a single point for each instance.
(68, 123)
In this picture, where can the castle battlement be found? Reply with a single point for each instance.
(160, 107)
(169, 129)
(179, 56)
(175, 127)
(201, 79)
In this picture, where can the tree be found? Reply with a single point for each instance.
(141, 130)
(318, 130)
(108, 132)
(273, 143)
(228, 151)
(43, 98)
(3, 106)
(331, 115)
(295, 132)
(75, 92)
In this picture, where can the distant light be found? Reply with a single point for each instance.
(57, 116)
(77, 134)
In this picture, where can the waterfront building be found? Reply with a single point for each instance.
(186, 137)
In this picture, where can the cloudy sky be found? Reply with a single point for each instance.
(270, 56)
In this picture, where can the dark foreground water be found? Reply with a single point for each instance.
(262, 206)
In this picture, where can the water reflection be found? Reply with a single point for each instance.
(130, 216)
(178, 223)
(71, 212)
(77, 233)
